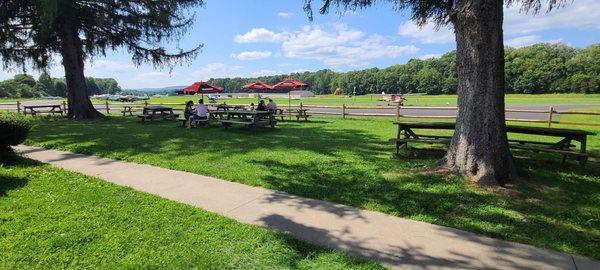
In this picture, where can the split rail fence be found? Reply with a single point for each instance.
(345, 111)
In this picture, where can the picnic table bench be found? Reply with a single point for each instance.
(563, 146)
(154, 112)
(33, 109)
(299, 113)
(128, 109)
(249, 118)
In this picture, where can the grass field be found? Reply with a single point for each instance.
(351, 162)
(54, 219)
(412, 100)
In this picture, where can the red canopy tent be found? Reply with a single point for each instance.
(200, 88)
(257, 86)
(290, 84)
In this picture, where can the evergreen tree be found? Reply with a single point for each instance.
(34, 30)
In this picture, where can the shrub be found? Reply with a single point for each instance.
(13, 130)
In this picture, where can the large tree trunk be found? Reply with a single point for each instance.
(479, 148)
(80, 106)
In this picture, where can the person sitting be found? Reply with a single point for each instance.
(261, 106)
(201, 111)
(271, 106)
(188, 112)
(251, 106)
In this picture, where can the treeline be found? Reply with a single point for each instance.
(540, 68)
(26, 86)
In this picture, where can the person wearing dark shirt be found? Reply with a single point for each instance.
(261, 106)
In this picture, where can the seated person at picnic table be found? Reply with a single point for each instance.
(188, 112)
(261, 106)
(201, 111)
(251, 106)
(271, 106)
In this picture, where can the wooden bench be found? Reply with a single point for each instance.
(32, 109)
(249, 118)
(152, 117)
(129, 110)
(195, 122)
(406, 135)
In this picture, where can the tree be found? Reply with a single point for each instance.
(45, 84)
(479, 148)
(25, 79)
(60, 88)
(34, 30)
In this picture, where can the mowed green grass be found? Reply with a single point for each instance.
(412, 100)
(351, 162)
(54, 219)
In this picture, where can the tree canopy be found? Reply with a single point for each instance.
(540, 68)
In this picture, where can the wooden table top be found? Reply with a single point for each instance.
(509, 128)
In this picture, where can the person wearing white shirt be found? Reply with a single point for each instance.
(271, 106)
(201, 111)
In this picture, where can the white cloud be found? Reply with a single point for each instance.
(263, 72)
(341, 46)
(427, 34)
(430, 56)
(111, 66)
(215, 70)
(285, 14)
(580, 15)
(523, 41)
(252, 55)
(260, 35)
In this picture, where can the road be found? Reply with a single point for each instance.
(407, 111)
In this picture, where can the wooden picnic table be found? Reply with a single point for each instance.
(225, 107)
(250, 118)
(564, 146)
(153, 112)
(299, 113)
(33, 109)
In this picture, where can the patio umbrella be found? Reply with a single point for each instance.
(257, 86)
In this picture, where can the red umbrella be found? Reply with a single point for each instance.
(201, 88)
(257, 86)
(289, 84)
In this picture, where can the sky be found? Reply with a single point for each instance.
(250, 38)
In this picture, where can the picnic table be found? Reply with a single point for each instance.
(33, 109)
(563, 146)
(225, 107)
(127, 109)
(250, 118)
(299, 113)
(153, 112)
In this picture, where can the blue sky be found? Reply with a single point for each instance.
(252, 38)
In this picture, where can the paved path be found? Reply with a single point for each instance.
(396, 242)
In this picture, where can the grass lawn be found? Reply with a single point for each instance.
(54, 219)
(412, 100)
(351, 162)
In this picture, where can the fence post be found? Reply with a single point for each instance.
(145, 103)
(398, 112)
(18, 106)
(107, 109)
(344, 110)
(301, 105)
(550, 113)
(64, 106)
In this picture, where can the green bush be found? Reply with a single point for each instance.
(13, 130)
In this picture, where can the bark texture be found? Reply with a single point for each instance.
(80, 106)
(479, 149)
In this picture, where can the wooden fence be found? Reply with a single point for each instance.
(346, 111)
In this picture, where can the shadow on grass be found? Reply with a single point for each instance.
(8, 183)
(340, 161)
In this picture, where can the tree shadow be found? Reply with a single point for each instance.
(554, 206)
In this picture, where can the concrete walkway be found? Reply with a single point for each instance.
(396, 242)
